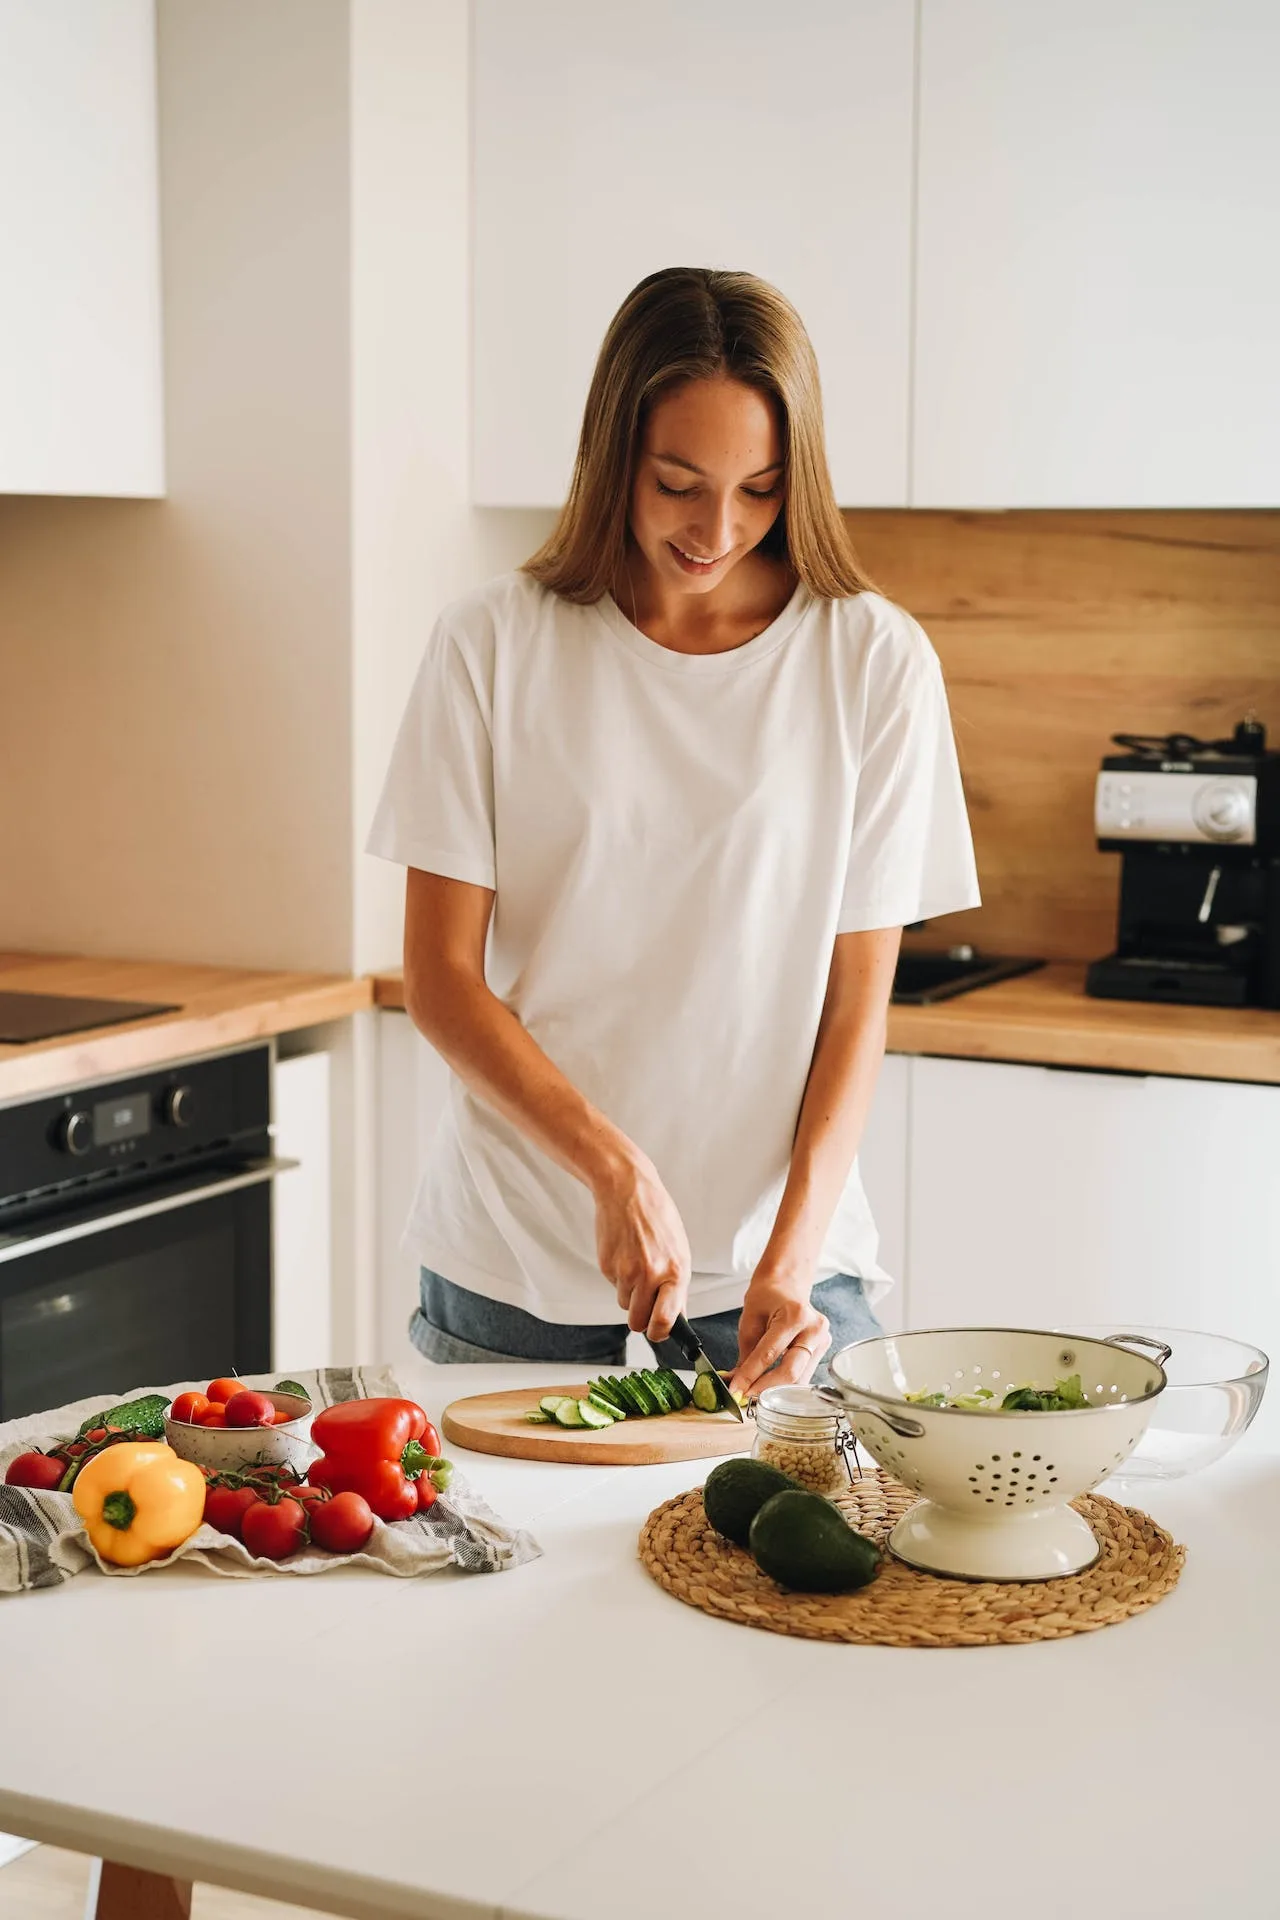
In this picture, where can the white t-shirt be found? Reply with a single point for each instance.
(674, 841)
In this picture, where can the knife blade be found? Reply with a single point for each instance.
(696, 1357)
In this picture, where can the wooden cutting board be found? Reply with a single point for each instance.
(495, 1423)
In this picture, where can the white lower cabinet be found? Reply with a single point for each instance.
(883, 1164)
(1039, 1197)
(302, 1248)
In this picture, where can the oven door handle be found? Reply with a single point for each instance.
(188, 1193)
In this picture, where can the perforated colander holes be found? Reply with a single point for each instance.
(990, 1482)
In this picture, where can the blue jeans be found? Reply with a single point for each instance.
(451, 1325)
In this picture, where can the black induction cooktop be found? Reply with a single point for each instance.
(43, 1016)
(922, 978)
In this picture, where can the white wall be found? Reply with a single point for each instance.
(416, 543)
(175, 768)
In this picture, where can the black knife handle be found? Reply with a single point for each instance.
(686, 1339)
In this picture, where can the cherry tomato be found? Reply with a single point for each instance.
(35, 1470)
(222, 1389)
(225, 1507)
(95, 1434)
(342, 1524)
(276, 1473)
(189, 1407)
(212, 1415)
(280, 1416)
(250, 1410)
(309, 1497)
(272, 1531)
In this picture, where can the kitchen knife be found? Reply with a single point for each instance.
(695, 1356)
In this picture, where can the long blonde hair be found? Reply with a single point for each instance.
(694, 323)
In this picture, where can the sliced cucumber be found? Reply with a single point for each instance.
(590, 1416)
(627, 1388)
(567, 1414)
(606, 1406)
(607, 1390)
(658, 1388)
(675, 1387)
(540, 1419)
(643, 1393)
(704, 1394)
(551, 1403)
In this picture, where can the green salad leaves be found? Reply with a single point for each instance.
(1065, 1396)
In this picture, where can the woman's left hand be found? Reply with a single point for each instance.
(781, 1334)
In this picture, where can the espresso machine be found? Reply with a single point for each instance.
(1197, 826)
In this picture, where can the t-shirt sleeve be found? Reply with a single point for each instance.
(910, 852)
(436, 808)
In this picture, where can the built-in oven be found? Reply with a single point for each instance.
(135, 1232)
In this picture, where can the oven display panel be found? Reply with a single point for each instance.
(126, 1117)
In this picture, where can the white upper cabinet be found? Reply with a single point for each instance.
(80, 407)
(1098, 267)
(611, 140)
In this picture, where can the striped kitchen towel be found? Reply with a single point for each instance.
(42, 1541)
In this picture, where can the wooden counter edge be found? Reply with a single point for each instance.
(1071, 1031)
(107, 1052)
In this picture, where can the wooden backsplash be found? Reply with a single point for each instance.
(1055, 631)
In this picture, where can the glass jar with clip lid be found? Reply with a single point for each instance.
(803, 1436)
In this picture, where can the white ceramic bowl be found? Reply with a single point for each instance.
(996, 1485)
(1215, 1389)
(231, 1449)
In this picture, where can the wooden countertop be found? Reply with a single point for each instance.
(1047, 1018)
(217, 1007)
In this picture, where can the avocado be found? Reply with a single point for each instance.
(735, 1492)
(802, 1541)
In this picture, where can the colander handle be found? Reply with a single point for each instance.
(1158, 1347)
(844, 1397)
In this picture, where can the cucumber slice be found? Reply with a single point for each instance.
(704, 1394)
(567, 1414)
(675, 1387)
(606, 1390)
(657, 1387)
(540, 1419)
(644, 1393)
(626, 1388)
(551, 1403)
(606, 1406)
(590, 1416)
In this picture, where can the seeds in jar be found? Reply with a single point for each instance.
(813, 1464)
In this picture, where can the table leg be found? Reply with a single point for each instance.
(129, 1893)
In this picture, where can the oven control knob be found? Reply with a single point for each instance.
(75, 1133)
(179, 1107)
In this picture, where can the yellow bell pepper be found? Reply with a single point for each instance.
(138, 1501)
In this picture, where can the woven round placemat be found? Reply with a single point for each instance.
(902, 1607)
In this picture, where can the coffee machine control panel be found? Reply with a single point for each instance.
(1214, 809)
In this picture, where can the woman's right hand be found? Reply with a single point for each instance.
(641, 1245)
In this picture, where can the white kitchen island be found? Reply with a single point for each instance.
(566, 1740)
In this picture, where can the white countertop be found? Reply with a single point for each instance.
(566, 1740)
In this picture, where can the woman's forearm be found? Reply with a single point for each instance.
(495, 1056)
(837, 1099)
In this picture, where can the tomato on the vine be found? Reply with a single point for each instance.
(342, 1524)
(225, 1507)
(272, 1529)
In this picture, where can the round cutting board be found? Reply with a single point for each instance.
(495, 1423)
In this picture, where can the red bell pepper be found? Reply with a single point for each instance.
(384, 1450)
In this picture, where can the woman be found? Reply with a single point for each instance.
(687, 776)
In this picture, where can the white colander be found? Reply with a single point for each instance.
(997, 1485)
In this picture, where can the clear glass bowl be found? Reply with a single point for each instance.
(1215, 1388)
